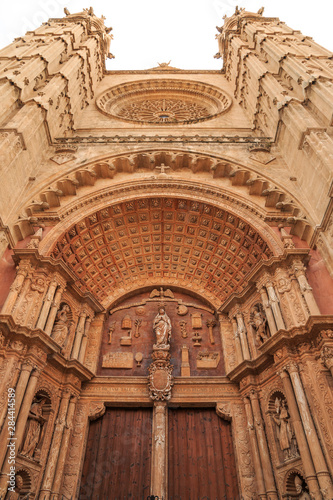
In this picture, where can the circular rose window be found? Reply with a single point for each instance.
(164, 101)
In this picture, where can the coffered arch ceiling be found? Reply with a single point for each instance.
(162, 240)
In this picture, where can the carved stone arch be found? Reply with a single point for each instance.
(28, 479)
(277, 389)
(276, 392)
(273, 194)
(46, 390)
(289, 482)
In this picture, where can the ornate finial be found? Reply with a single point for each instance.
(164, 64)
(261, 11)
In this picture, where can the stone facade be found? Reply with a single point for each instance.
(132, 201)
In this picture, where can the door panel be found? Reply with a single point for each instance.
(201, 460)
(118, 456)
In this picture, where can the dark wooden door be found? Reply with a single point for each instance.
(201, 459)
(118, 456)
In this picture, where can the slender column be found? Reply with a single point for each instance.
(310, 474)
(63, 449)
(20, 427)
(159, 471)
(79, 334)
(14, 290)
(305, 288)
(50, 469)
(54, 310)
(85, 339)
(263, 448)
(26, 369)
(47, 304)
(268, 311)
(238, 345)
(243, 336)
(275, 305)
(6, 375)
(255, 450)
(319, 462)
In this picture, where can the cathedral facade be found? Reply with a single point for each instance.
(166, 291)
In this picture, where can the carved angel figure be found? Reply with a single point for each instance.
(283, 427)
(259, 322)
(61, 325)
(34, 428)
(162, 328)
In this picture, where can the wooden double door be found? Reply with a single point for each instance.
(201, 463)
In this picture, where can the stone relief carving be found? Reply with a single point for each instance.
(61, 326)
(284, 431)
(258, 321)
(162, 329)
(34, 428)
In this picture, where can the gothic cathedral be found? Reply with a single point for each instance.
(166, 242)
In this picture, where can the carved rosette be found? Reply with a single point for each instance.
(160, 380)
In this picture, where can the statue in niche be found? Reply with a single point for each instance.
(301, 489)
(34, 428)
(259, 323)
(61, 325)
(283, 428)
(162, 329)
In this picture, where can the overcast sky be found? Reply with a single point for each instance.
(147, 32)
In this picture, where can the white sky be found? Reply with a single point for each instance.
(150, 31)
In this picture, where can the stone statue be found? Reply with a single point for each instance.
(283, 427)
(107, 37)
(259, 322)
(162, 329)
(61, 325)
(34, 428)
(300, 489)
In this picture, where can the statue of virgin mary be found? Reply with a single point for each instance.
(162, 329)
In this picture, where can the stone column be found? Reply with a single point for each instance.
(268, 310)
(263, 448)
(273, 300)
(159, 472)
(53, 311)
(306, 289)
(63, 449)
(310, 474)
(243, 336)
(318, 458)
(255, 450)
(15, 289)
(47, 304)
(238, 345)
(79, 334)
(5, 378)
(20, 427)
(85, 339)
(21, 386)
(50, 468)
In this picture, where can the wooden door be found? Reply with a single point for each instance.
(118, 456)
(201, 460)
